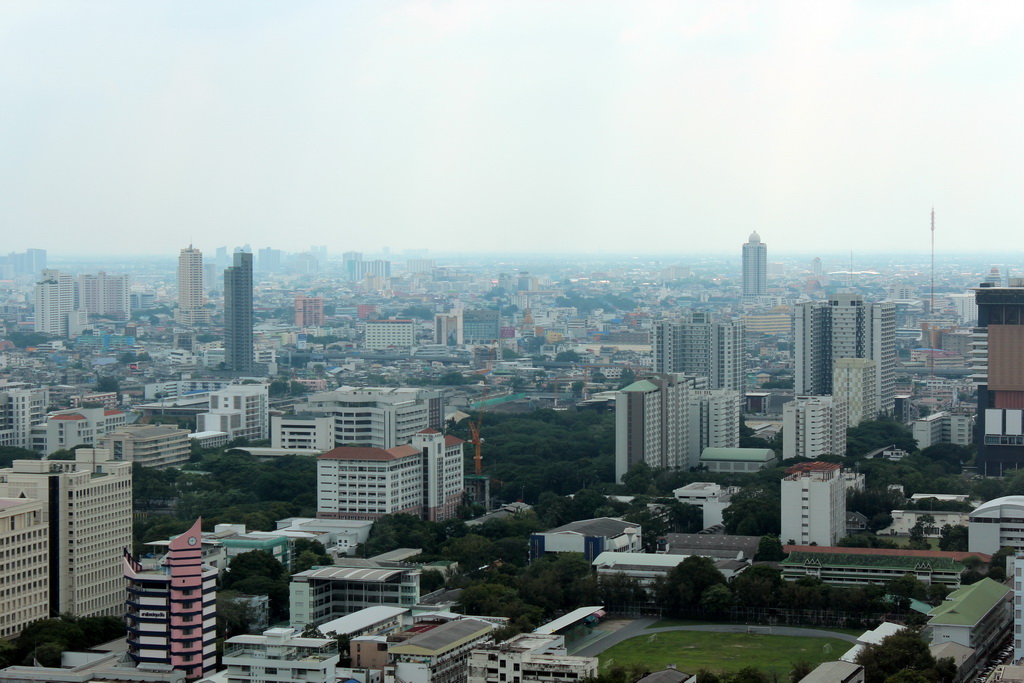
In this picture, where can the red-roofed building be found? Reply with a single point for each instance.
(424, 478)
(70, 428)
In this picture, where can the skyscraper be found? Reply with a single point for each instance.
(105, 295)
(238, 338)
(698, 346)
(997, 350)
(755, 266)
(844, 327)
(191, 296)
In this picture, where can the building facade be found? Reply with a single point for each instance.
(309, 311)
(24, 564)
(698, 346)
(854, 382)
(325, 593)
(423, 478)
(88, 504)
(279, 656)
(238, 320)
(21, 409)
(390, 334)
(54, 299)
(240, 410)
(69, 428)
(813, 426)
(813, 504)
(147, 444)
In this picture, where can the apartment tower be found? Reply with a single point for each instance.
(755, 266)
(191, 295)
(238, 320)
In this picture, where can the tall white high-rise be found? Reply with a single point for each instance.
(755, 266)
(667, 420)
(845, 326)
(813, 504)
(54, 299)
(191, 295)
(698, 346)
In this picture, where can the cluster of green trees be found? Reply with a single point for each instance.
(43, 641)
(225, 487)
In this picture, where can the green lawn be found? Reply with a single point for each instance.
(692, 651)
(665, 623)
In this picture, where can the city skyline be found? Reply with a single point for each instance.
(568, 128)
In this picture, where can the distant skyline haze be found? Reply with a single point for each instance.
(501, 126)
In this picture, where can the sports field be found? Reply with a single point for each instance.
(692, 651)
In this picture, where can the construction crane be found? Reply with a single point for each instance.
(474, 434)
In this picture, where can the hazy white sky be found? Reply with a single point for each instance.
(548, 125)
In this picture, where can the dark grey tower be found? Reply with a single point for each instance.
(238, 344)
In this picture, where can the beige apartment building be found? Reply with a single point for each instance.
(24, 564)
(89, 525)
(148, 445)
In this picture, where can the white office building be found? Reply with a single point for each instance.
(813, 504)
(755, 266)
(390, 334)
(279, 655)
(529, 657)
(943, 427)
(21, 409)
(24, 565)
(54, 299)
(240, 410)
(813, 426)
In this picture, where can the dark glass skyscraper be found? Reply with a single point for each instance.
(238, 343)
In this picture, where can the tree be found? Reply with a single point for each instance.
(769, 549)
(800, 670)
(903, 650)
(687, 582)
(105, 384)
(953, 538)
(716, 599)
(567, 357)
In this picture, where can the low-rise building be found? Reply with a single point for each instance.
(864, 566)
(281, 656)
(69, 428)
(711, 498)
(528, 657)
(435, 653)
(325, 593)
(943, 427)
(588, 536)
(372, 621)
(978, 616)
(147, 444)
(737, 459)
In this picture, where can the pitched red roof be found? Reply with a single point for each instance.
(69, 416)
(452, 440)
(368, 453)
(428, 430)
(113, 412)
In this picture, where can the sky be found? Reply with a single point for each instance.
(576, 126)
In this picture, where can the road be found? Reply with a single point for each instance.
(638, 627)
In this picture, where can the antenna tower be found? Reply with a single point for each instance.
(931, 304)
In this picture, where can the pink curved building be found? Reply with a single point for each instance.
(171, 609)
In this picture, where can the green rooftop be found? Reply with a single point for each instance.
(641, 385)
(906, 563)
(966, 606)
(738, 454)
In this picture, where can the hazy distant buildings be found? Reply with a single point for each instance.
(844, 326)
(698, 346)
(105, 295)
(448, 328)
(480, 326)
(755, 266)
(191, 295)
(238, 319)
(390, 334)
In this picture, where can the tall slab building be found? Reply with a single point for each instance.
(238, 320)
(698, 346)
(755, 266)
(997, 353)
(191, 296)
(844, 326)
